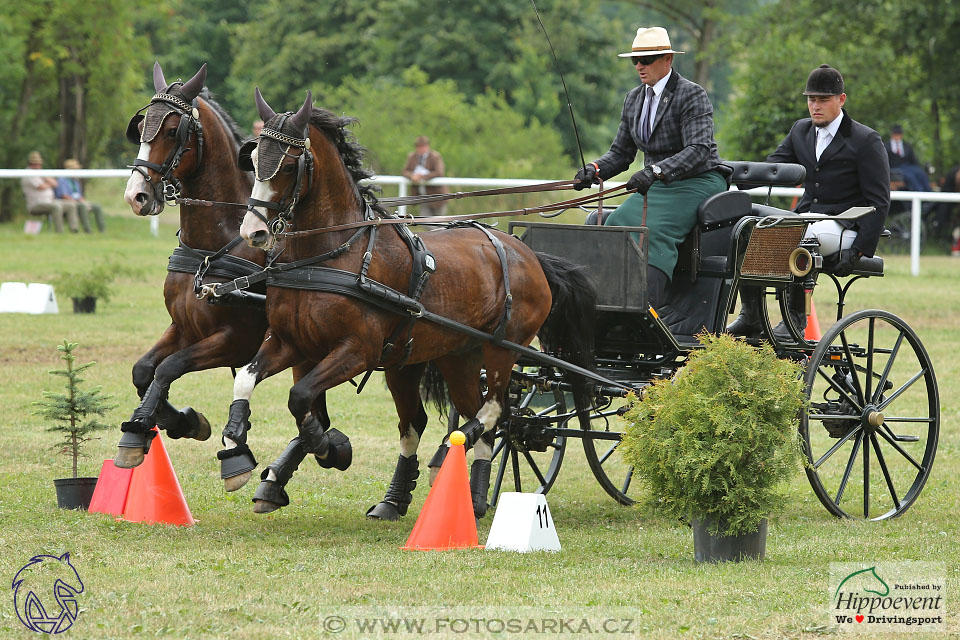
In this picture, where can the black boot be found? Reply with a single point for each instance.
(796, 307)
(747, 323)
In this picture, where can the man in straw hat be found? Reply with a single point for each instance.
(847, 166)
(69, 189)
(39, 194)
(670, 119)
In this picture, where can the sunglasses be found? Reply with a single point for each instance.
(645, 60)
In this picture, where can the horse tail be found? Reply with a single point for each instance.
(569, 329)
(433, 389)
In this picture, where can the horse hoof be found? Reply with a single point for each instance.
(128, 457)
(265, 506)
(236, 482)
(203, 428)
(384, 511)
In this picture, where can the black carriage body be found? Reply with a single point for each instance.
(851, 419)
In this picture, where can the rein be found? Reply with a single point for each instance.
(431, 220)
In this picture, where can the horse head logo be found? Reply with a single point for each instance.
(865, 580)
(40, 578)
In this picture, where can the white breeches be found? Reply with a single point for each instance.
(832, 236)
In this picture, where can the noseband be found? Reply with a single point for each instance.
(168, 188)
(284, 207)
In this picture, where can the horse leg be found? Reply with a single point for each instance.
(236, 459)
(404, 385)
(306, 398)
(213, 351)
(465, 396)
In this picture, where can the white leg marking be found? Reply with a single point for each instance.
(242, 390)
(488, 414)
(409, 442)
(271, 475)
(482, 451)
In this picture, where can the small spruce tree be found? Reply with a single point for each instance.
(71, 410)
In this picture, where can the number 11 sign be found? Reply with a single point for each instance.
(523, 523)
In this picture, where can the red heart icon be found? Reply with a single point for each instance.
(859, 618)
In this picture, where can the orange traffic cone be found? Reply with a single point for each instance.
(812, 332)
(446, 520)
(110, 494)
(155, 494)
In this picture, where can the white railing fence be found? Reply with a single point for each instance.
(915, 198)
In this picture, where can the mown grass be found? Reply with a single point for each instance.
(240, 575)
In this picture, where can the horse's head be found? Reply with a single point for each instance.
(282, 162)
(170, 139)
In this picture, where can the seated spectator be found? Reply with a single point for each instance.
(38, 191)
(904, 161)
(69, 189)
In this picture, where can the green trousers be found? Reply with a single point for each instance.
(671, 214)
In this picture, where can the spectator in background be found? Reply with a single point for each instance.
(904, 160)
(69, 189)
(38, 191)
(257, 127)
(424, 164)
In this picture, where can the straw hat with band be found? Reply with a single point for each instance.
(650, 41)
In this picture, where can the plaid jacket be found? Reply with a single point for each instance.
(681, 140)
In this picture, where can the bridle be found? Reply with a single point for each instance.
(284, 208)
(168, 188)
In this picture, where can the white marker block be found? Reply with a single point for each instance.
(18, 297)
(523, 523)
(41, 298)
(13, 297)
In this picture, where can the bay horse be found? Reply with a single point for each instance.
(359, 311)
(188, 146)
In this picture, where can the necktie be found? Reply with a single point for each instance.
(823, 141)
(645, 116)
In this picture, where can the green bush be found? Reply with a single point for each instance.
(94, 282)
(714, 442)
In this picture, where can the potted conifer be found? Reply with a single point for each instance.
(715, 442)
(74, 416)
(86, 286)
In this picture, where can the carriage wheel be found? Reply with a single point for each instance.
(525, 458)
(871, 428)
(603, 456)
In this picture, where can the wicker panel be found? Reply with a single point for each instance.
(769, 251)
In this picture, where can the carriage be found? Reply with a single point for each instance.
(869, 430)
(871, 425)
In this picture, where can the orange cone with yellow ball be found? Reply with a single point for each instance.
(812, 330)
(446, 520)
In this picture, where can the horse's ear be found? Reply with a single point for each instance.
(262, 107)
(159, 83)
(302, 117)
(191, 88)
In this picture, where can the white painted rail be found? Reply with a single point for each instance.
(915, 198)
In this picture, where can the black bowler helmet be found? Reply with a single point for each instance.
(824, 81)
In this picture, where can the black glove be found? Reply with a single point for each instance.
(847, 261)
(641, 181)
(586, 177)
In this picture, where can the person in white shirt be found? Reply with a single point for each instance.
(38, 191)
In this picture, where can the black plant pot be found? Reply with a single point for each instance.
(74, 493)
(85, 305)
(710, 548)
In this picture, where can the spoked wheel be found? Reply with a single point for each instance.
(603, 428)
(870, 431)
(526, 455)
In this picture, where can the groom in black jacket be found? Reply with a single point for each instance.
(847, 166)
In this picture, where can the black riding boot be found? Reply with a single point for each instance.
(796, 307)
(748, 322)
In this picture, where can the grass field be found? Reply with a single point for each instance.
(240, 575)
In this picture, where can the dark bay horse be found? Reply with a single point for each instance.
(188, 146)
(358, 311)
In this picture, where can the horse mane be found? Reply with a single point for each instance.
(227, 119)
(352, 153)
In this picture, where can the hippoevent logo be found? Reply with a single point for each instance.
(45, 594)
(891, 596)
